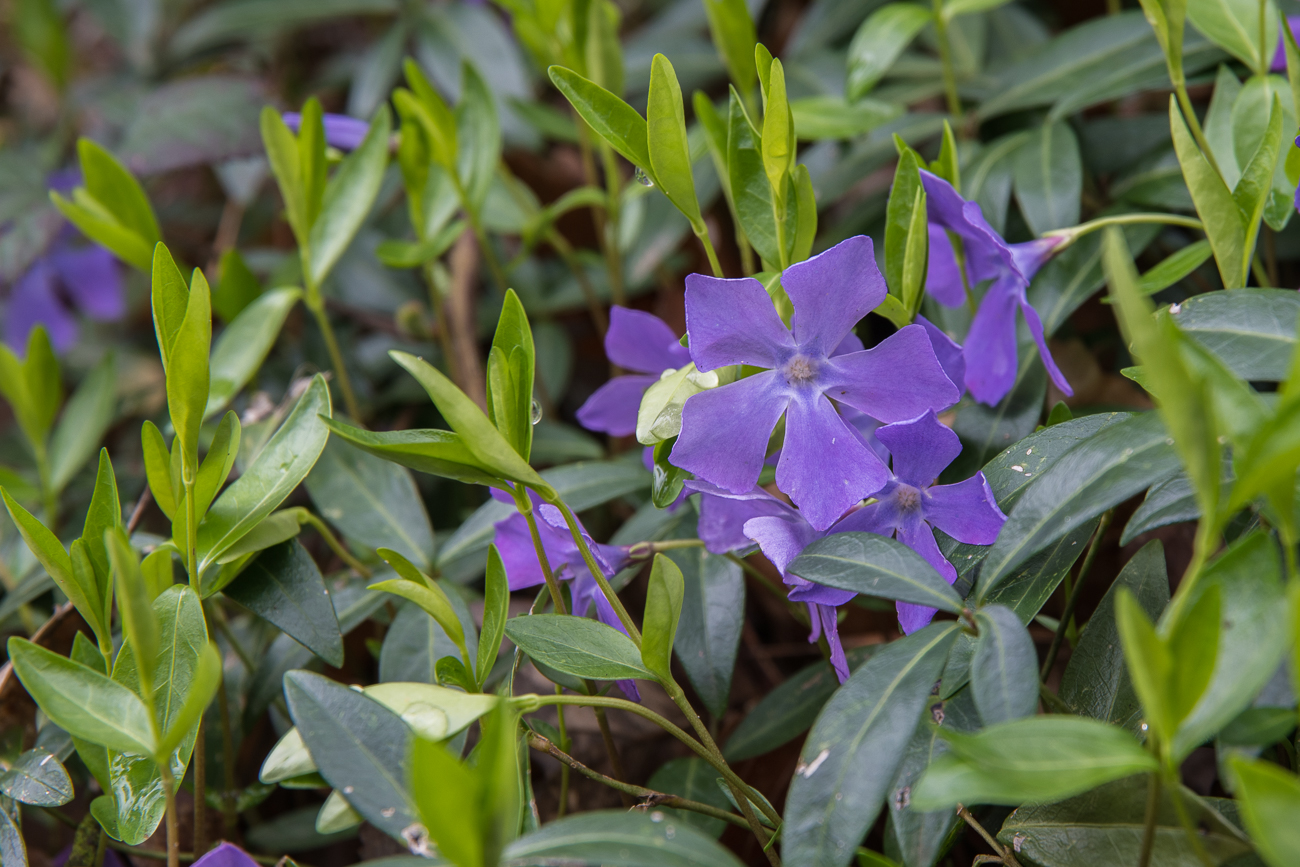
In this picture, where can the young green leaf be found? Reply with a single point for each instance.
(1252, 191)
(111, 208)
(1224, 225)
(663, 610)
(157, 468)
(496, 610)
(449, 798)
(202, 688)
(437, 120)
(217, 464)
(612, 119)
(750, 189)
(52, 555)
(778, 131)
(282, 153)
(437, 452)
(1269, 798)
(244, 344)
(347, 198)
(136, 609)
(33, 387)
(900, 215)
(312, 165)
(86, 419)
(806, 209)
(1149, 664)
(734, 36)
(670, 153)
(510, 390)
(604, 53)
(418, 588)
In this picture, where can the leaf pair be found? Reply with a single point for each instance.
(111, 208)
(324, 214)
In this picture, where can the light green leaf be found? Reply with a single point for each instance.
(778, 142)
(437, 452)
(111, 185)
(157, 467)
(417, 587)
(1234, 26)
(348, 197)
(496, 610)
(86, 419)
(663, 610)
(670, 153)
(613, 119)
(510, 376)
(478, 134)
(1216, 206)
(1269, 798)
(52, 555)
(734, 36)
(242, 347)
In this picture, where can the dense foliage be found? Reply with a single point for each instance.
(943, 336)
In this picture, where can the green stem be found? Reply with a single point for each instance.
(334, 544)
(1207, 536)
(49, 499)
(191, 533)
(1185, 819)
(317, 307)
(594, 308)
(596, 572)
(1075, 592)
(229, 811)
(1074, 233)
(650, 796)
(1185, 102)
(552, 586)
(565, 745)
(1149, 822)
(1266, 51)
(201, 788)
(613, 192)
(945, 61)
(437, 303)
(173, 825)
(702, 232)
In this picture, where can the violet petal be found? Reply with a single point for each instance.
(967, 511)
(990, 348)
(943, 274)
(93, 279)
(613, 407)
(921, 448)
(643, 342)
(734, 322)
(725, 431)
(898, 379)
(831, 292)
(33, 303)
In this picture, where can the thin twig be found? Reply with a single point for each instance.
(460, 315)
(138, 512)
(1149, 822)
(1004, 854)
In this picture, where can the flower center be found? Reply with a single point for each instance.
(908, 498)
(800, 370)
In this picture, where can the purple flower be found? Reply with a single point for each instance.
(990, 348)
(226, 855)
(515, 544)
(825, 466)
(342, 132)
(1279, 59)
(911, 506)
(67, 278)
(640, 342)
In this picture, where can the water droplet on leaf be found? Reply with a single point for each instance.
(535, 414)
(642, 178)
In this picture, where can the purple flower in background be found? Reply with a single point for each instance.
(911, 506)
(1279, 59)
(66, 279)
(226, 855)
(990, 348)
(640, 342)
(342, 132)
(515, 544)
(825, 467)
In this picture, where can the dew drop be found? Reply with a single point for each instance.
(670, 832)
(535, 413)
(1018, 841)
(347, 790)
(656, 816)
(388, 812)
(642, 178)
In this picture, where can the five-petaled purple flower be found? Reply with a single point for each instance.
(515, 544)
(342, 132)
(990, 346)
(825, 466)
(644, 344)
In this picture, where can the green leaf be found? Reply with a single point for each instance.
(1035, 760)
(86, 419)
(452, 808)
(1048, 178)
(875, 566)
(312, 168)
(496, 610)
(670, 153)
(663, 610)
(52, 555)
(416, 587)
(1096, 682)
(244, 344)
(371, 501)
(284, 587)
(217, 464)
(788, 710)
(82, 701)
(1269, 797)
(435, 118)
(437, 452)
(854, 750)
(478, 135)
(750, 189)
(478, 435)
(282, 463)
(899, 214)
(879, 41)
(1251, 330)
(578, 646)
(619, 839)
(282, 153)
(612, 119)
(1149, 664)
(778, 142)
(708, 634)
(103, 513)
(510, 376)
(205, 679)
(157, 467)
(604, 53)
(1215, 204)
(734, 35)
(1105, 826)
(1174, 267)
(110, 184)
(1004, 672)
(348, 197)
(135, 607)
(1193, 646)
(360, 746)
(183, 324)
(1100, 472)
(33, 387)
(237, 287)
(1235, 27)
(38, 778)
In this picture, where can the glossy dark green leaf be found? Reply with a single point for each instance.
(1102, 471)
(986, 430)
(1215, 204)
(284, 587)
(360, 746)
(578, 646)
(241, 348)
(371, 501)
(1253, 331)
(789, 709)
(280, 466)
(879, 41)
(86, 419)
(1035, 760)
(712, 616)
(1004, 672)
(12, 848)
(1096, 682)
(695, 779)
(38, 778)
(875, 566)
(612, 119)
(1048, 178)
(1028, 588)
(1252, 637)
(619, 839)
(1105, 826)
(854, 750)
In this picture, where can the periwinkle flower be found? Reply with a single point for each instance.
(644, 344)
(825, 466)
(342, 132)
(67, 278)
(1279, 58)
(226, 855)
(519, 556)
(910, 506)
(990, 347)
